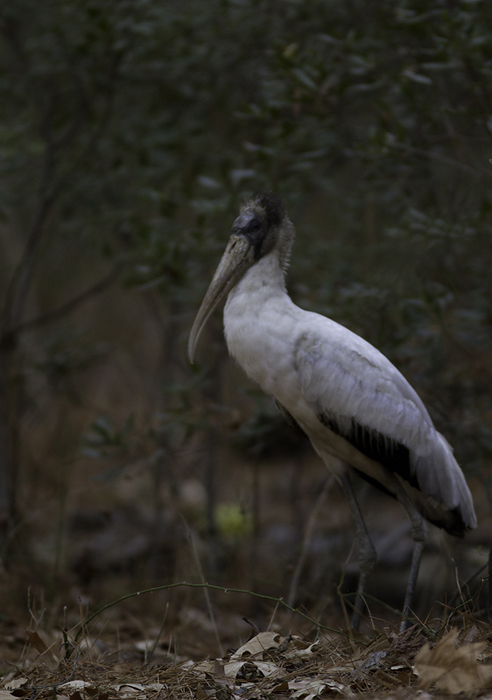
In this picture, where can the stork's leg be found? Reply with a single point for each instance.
(419, 535)
(367, 551)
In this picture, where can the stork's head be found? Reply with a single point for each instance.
(262, 227)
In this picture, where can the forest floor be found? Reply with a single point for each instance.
(130, 658)
(193, 641)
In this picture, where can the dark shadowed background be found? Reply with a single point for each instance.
(130, 132)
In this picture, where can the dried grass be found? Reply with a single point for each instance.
(423, 662)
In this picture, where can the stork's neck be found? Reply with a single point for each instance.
(265, 279)
(256, 309)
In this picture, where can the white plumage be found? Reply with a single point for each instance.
(313, 366)
(343, 393)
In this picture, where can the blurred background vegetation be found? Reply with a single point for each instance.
(130, 132)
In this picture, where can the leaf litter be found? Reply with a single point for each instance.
(454, 669)
(419, 663)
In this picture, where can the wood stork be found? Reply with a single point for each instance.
(347, 397)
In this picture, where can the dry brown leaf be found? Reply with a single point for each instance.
(471, 635)
(72, 686)
(356, 656)
(232, 669)
(16, 683)
(135, 690)
(201, 693)
(129, 688)
(296, 651)
(78, 689)
(259, 644)
(7, 678)
(46, 653)
(307, 689)
(251, 669)
(281, 687)
(405, 644)
(38, 643)
(201, 667)
(453, 670)
(76, 695)
(5, 695)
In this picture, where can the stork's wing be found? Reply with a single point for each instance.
(359, 394)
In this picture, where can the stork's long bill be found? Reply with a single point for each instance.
(237, 258)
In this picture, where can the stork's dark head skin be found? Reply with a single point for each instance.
(261, 227)
(259, 222)
(266, 207)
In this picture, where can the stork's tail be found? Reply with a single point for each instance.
(445, 498)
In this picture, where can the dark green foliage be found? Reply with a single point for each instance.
(130, 131)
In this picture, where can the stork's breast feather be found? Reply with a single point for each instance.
(258, 337)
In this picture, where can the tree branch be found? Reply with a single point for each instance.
(469, 169)
(20, 282)
(66, 308)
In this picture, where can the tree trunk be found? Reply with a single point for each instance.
(9, 447)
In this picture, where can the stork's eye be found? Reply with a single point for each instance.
(254, 226)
